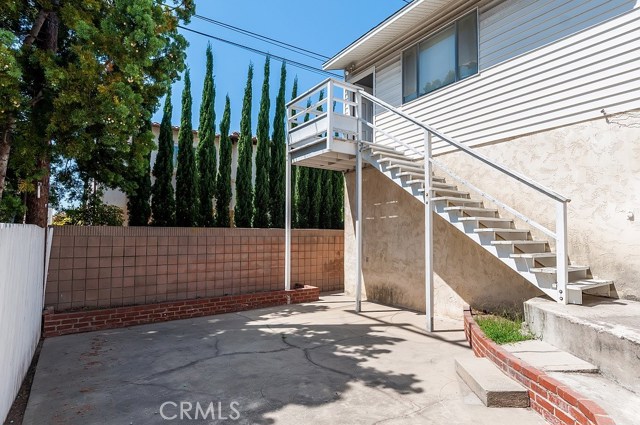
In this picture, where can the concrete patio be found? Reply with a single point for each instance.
(311, 363)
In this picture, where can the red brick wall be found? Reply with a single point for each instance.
(118, 266)
(557, 403)
(56, 324)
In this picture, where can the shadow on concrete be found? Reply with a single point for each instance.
(268, 361)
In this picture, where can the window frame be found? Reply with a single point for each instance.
(433, 33)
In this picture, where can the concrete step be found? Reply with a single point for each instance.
(419, 176)
(493, 387)
(553, 270)
(548, 358)
(458, 201)
(602, 331)
(473, 210)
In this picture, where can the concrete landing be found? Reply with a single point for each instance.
(493, 387)
(548, 358)
(602, 331)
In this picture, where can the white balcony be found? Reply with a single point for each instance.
(323, 127)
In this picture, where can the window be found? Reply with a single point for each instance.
(445, 57)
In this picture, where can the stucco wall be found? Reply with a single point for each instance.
(393, 256)
(596, 164)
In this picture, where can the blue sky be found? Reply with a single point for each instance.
(324, 26)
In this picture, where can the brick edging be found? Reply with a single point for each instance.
(56, 324)
(556, 402)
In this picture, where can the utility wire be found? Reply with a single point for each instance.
(282, 44)
(263, 53)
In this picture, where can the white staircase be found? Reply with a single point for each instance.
(532, 259)
(332, 136)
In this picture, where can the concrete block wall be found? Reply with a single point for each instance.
(116, 266)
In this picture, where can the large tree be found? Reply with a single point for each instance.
(223, 181)
(207, 147)
(337, 215)
(279, 155)
(89, 73)
(326, 199)
(163, 201)
(187, 210)
(138, 206)
(261, 198)
(243, 213)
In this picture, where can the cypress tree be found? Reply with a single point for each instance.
(186, 175)
(138, 200)
(294, 169)
(223, 181)
(163, 202)
(207, 147)
(279, 155)
(326, 201)
(261, 200)
(243, 215)
(337, 210)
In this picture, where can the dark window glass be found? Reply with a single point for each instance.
(449, 55)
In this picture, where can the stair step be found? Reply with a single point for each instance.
(419, 175)
(500, 230)
(584, 284)
(447, 192)
(383, 148)
(475, 210)
(395, 154)
(493, 387)
(406, 168)
(534, 255)
(489, 219)
(452, 199)
(553, 270)
(396, 161)
(520, 242)
(435, 185)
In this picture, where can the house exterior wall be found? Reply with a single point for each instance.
(393, 256)
(557, 98)
(533, 76)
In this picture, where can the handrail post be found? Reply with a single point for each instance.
(358, 208)
(428, 232)
(287, 219)
(329, 114)
(562, 259)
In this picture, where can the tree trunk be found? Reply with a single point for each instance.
(38, 206)
(5, 148)
(38, 200)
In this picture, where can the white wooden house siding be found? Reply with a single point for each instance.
(543, 64)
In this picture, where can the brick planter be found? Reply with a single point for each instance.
(56, 324)
(552, 399)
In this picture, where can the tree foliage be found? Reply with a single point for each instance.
(279, 155)
(261, 218)
(92, 211)
(223, 180)
(243, 214)
(294, 169)
(91, 72)
(207, 146)
(163, 202)
(186, 175)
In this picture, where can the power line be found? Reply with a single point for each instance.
(263, 53)
(282, 44)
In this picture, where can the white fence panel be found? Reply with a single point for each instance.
(22, 263)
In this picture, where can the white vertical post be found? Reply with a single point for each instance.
(358, 206)
(329, 114)
(428, 232)
(562, 259)
(287, 218)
